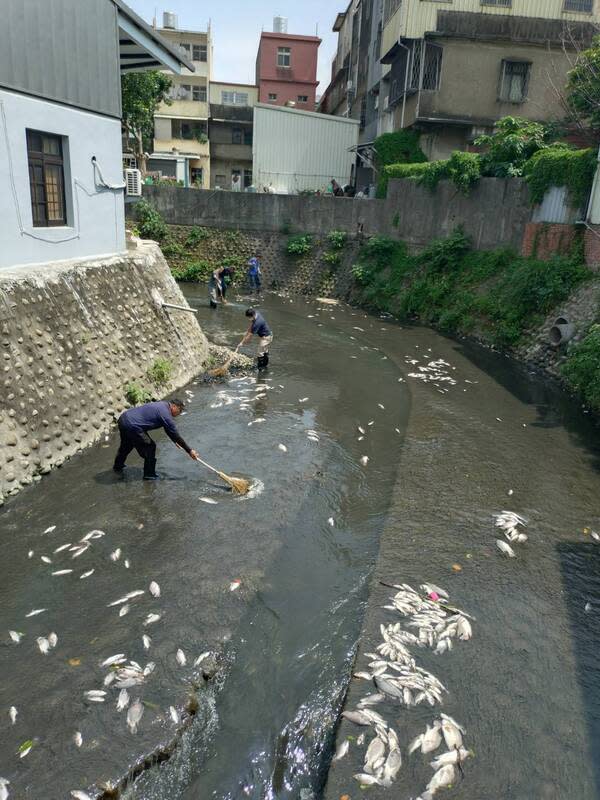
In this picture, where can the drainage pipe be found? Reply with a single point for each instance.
(561, 331)
(180, 308)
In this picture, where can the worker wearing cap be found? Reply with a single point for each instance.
(259, 327)
(134, 425)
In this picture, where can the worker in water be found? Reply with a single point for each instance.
(226, 275)
(254, 273)
(259, 327)
(134, 425)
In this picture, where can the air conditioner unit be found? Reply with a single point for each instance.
(133, 183)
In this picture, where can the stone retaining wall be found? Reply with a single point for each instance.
(72, 335)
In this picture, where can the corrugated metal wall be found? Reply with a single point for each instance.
(296, 150)
(555, 207)
(62, 50)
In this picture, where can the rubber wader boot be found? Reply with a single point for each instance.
(263, 361)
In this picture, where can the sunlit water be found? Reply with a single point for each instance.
(440, 464)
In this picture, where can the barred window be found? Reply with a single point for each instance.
(514, 81)
(503, 3)
(582, 6)
(199, 52)
(199, 93)
(46, 179)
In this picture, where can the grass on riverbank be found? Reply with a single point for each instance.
(494, 295)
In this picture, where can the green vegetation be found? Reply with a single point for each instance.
(150, 223)
(160, 372)
(332, 257)
(337, 239)
(191, 272)
(582, 368)
(561, 166)
(512, 144)
(171, 249)
(299, 245)
(495, 295)
(400, 147)
(584, 87)
(136, 395)
(141, 95)
(195, 236)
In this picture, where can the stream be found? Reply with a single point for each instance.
(276, 585)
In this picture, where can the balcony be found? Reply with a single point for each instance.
(184, 108)
(186, 147)
(231, 152)
(231, 113)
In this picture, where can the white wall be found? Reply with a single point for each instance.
(295, 150)
(95, 215)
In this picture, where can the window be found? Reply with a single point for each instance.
(503, 3)
(427, 75)
(583, 6)
(283, 56)
(247, 178)
(514, 80)
(248, 137)
(303, 98)
(180, 129)
(220, 181)
(196, 176)
(46, 179)
(272, 97)
(199, 52)
(237, 136)
(187, 49)
(199, 93)
(234, 98)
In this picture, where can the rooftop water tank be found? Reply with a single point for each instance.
(169, 20)
(280, 25)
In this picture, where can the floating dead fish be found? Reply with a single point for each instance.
(505, 548)
(95, 695)
(331, 521)
(366, 780)
(364, 460)
(87, 574)
(208, 500)
(77, 794)
(256, 421)
(12, 713)
(62, 547)
(16, 636)
(134, 715)
(123, 700)
(154, 589)
(382, 407)
(124, 610)
(50, 529)
(30, 554)
(119, 658)
(201, 658)
(174, 714)
(63, 572)
(147, 641)
(77, 739)
(53, 640)
(181, 659)
(342, 750)
(95, 534)
(443, 779)
(303, 399)
(79, 551)
(46, 560)
(4, 782)
(357, 717)
(152, 618)
(116, 554)
(283, 448)
(234, 585)
(25, 748)
(43, 644)
(126, 563)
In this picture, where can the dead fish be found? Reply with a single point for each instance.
(45, 559)
(16, 636)
(12, 713)
(375, 752)
(234, 585)
(303, 399)
(4, 782)
(342, 750)
(415, 744)
(135, 593)
(364, 460)
(50, 529)
(43, 644)
(78, 739)
(124, 610)
(62, 572)
(283, 448)
(147, 641)
(174, 715)
(372, 699)
(432, 738)
(134, 715)
(452, 735)
(25, 748)
(62, 547)
(116, 554)
(118, 602)
(30, 554)
(154, 589)
(358, 717)
(152, 618)
(505, 548)
(201, 658)
(382, 407)
(79, 795)
(464, 630)
(123, 700)
(366, 780)
(392, 766)
(109, 678)
(95, 534)
(95, 695)
(181, 659)
(119, 658)
(126, 563)
(361, 430)
(52, 640)
(451, 757)
(331, 521)
(87, 574)
(149, 668)
(443, 779)
(79, 551)
(208, 500)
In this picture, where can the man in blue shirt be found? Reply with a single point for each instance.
(134, 425)
(254, 273)
(259, 327)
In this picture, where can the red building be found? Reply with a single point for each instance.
(286, 69)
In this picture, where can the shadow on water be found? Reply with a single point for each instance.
(580, 571)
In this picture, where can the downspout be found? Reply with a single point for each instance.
(406, 71)
(421, 71)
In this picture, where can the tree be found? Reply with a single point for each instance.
(511, 145)
(584, 86)
(141, 94)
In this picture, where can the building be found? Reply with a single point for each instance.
(452, 70)
(230, 133)
(61, 178)
(296, 151)
(286, 69)
(181, 144)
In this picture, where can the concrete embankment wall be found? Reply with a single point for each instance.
(494, 214)
(72, 336)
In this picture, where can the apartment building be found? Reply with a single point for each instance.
(452, 68)
(286, 68)
(181, 144)
(230, 134)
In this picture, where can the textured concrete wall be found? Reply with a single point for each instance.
(72, 335)
(495, 213)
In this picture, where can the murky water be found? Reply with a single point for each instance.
(440, 464)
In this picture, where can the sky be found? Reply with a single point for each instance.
(236, 27)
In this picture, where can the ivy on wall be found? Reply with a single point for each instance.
(561, 166)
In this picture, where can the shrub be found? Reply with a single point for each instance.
(582, 368)
(299, 245)
(150, 223)
(195, 236)
(160, 372)
(400, 147)
(332, 257)
(559, 165)
(337, 239)
(511, 145)
(198, 271)
(172, 249)
(136, 395)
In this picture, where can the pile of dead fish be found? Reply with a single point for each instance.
(435, 372)
(429, 622)
(510, 523)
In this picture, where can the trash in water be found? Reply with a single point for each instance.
(234, 585)
(283, 448)
(208, 500)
